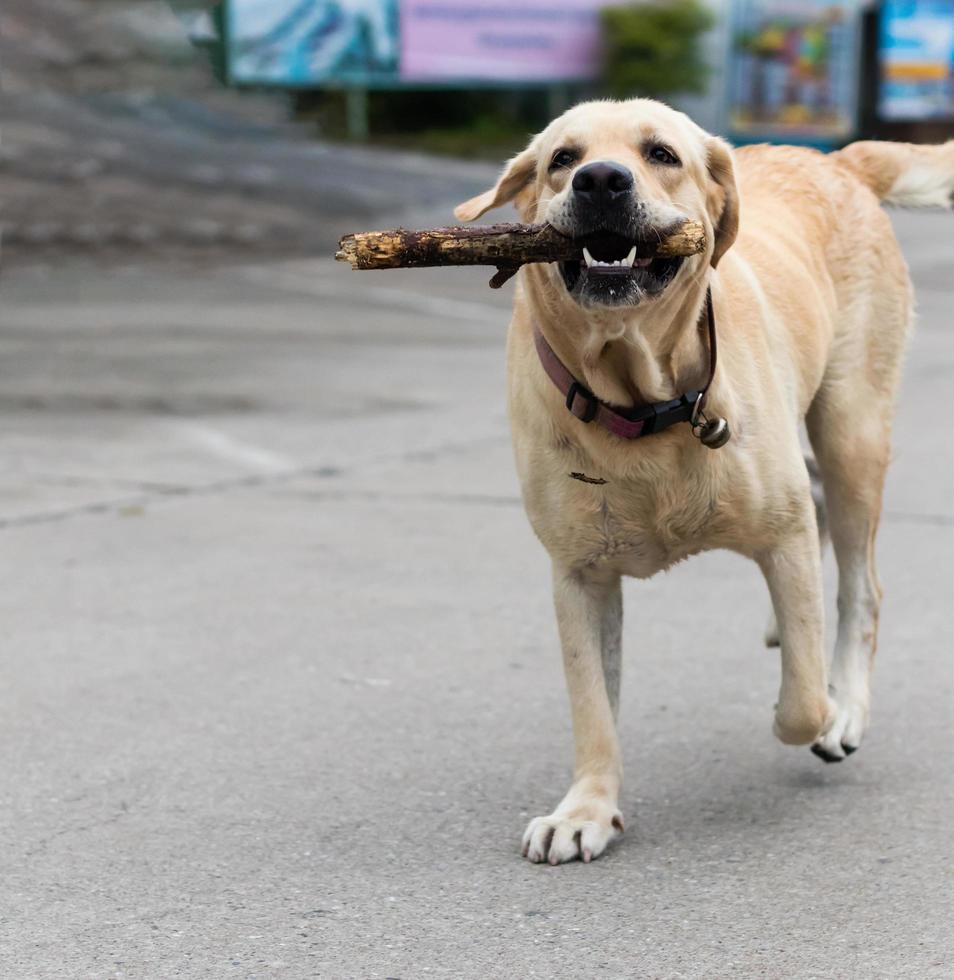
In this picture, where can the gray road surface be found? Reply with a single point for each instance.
(279, 684)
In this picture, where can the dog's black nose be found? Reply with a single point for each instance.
(602, 183)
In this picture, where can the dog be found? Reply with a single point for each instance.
(803, 287)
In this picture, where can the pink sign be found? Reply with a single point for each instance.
(496, 40)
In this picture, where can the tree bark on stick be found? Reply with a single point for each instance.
(507, 246)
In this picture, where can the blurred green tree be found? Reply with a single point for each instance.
(653, 47)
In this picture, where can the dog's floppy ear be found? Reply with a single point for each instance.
(723, 196)
(515, 177)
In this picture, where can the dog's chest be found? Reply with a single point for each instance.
(644, 533)
(636, 528)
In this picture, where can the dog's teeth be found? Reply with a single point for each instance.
(592, 263)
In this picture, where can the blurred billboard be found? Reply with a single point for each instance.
(793, 71)
(305, 42)
(490, 40)
(392, 42)
(917, 60)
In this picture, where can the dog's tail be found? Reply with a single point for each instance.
(904, 174)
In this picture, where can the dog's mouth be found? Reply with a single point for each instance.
(616, 270)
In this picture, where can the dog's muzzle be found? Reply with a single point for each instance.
(616, 266)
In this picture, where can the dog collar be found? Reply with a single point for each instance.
(634, 423)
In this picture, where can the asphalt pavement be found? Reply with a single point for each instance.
(279, 680)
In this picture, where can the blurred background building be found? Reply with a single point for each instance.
(813, 70)
(123, 137)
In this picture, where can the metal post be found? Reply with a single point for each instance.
(356, 109)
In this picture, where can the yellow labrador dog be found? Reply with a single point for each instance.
(607, 357)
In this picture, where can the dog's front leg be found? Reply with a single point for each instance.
(793, 573)
(589, 616)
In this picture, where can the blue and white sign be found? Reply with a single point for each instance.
(917, 60)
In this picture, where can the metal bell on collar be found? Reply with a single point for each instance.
(713, 433)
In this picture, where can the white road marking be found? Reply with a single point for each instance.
(224, 446)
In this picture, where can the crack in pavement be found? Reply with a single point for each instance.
(245, 481)
(43, 843)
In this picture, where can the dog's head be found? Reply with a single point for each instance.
(616, 177)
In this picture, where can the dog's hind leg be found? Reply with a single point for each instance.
(589, 616)
(849, 426)
(821, 518)
(852, 453)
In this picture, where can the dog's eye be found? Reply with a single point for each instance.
(562, 159)
(662, 154)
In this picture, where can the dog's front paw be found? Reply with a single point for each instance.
(845, 734)
(801, 721)
(581, 831)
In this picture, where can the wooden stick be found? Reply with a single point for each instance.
(507, 246)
